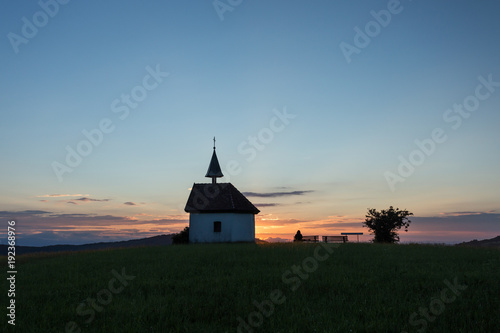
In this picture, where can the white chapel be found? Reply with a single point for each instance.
(218, 212)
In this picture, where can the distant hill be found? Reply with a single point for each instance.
(493, 242)
(151, 241)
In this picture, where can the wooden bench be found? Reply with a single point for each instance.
(311, 239)
(334, 239)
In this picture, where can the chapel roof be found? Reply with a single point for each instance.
(218, 198)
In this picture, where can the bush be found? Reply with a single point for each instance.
(182, 237)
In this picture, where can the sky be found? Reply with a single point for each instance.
(320, 110)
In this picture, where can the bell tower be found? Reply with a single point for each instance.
(214, 171)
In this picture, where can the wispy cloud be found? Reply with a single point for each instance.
(130, 203)
(275, 194)
(81, 198)
(62, 195)
(461, 213)
(270, 220)
(7, 214)
(275, 204)
(85, 200)
(267, 204)
(89, 199)
(470, 221)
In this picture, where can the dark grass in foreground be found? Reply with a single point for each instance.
(213, 288)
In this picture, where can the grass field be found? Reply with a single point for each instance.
(259, 288)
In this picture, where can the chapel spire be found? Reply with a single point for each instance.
(214, 171)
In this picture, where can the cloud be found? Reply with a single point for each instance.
(265, 221)
(267, 204)
(275, 194)
(336, 225)
(130, 203)
(68, 215)
(460, 213)
(275, 204)
(466, 221)
(84, 200)
(89, 199)
(23, 213)
(61, 195)
(91, 217)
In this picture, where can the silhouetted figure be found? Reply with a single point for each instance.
(298, 237)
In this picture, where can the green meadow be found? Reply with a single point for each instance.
(259, 288)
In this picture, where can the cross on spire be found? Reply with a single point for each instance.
(214, 142)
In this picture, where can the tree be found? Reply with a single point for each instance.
(182, 237)
(385, 224)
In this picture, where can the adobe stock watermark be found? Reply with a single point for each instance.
(119, 106)
(363, 37)
(222, 6)
(265, 136)
(103, 297)
(30, 27)
(292, 278)
(437, 305)
(251, 147)
(453, 116)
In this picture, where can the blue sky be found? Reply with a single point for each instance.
(350, 118)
